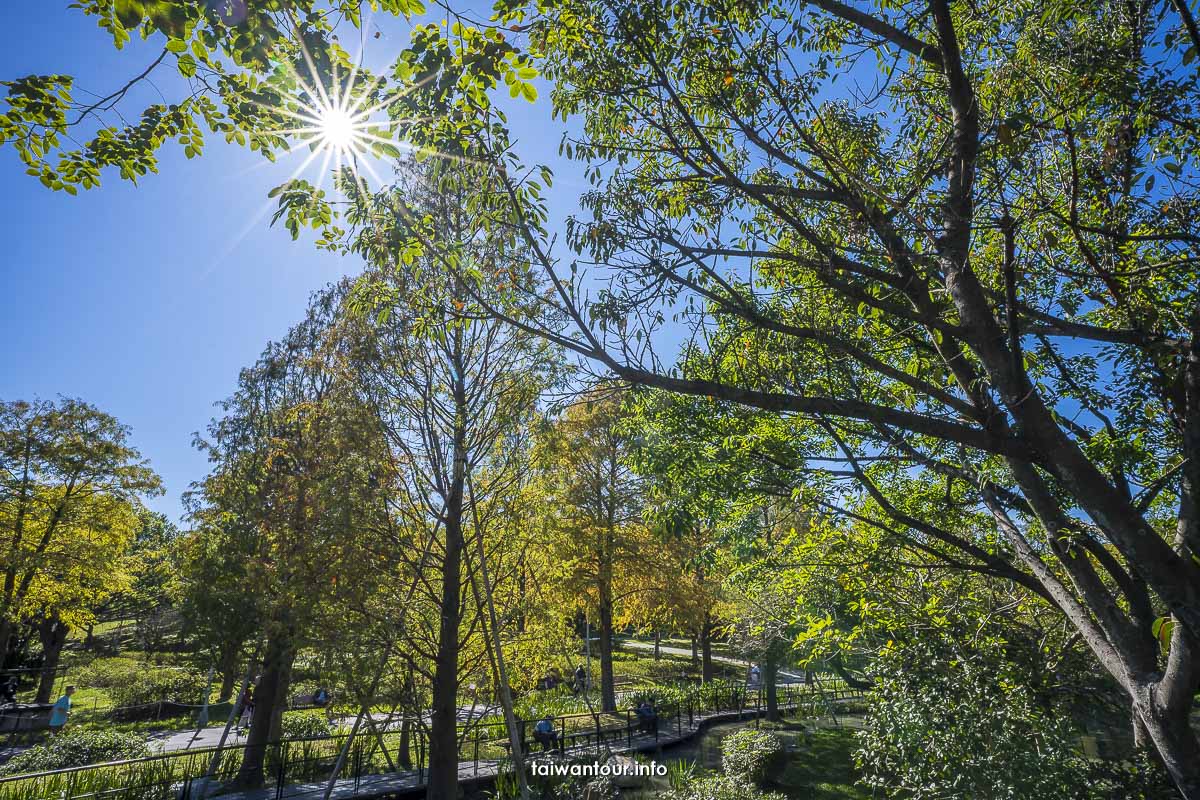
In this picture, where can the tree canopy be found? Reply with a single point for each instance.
(933, 265)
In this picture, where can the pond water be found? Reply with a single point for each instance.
(819, 762)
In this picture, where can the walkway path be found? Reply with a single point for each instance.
(211, 736)
(193, 739)
(785, 676)
(471, 772)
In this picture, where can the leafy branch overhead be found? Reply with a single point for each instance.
(929, 267)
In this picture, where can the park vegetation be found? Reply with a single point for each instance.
(872, 347)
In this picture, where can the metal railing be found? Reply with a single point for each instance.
(397, 748)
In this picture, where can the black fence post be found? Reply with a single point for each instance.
(281, 755)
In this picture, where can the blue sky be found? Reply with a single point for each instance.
(146, 300)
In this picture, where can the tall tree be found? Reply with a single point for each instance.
(974, 266)
(594, 502)
(220, 609)
(448, 385)
(69, 486)
(292, 469)
(969, 263)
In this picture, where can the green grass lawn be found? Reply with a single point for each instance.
(717, 648)
(103, 629)
(638, 666)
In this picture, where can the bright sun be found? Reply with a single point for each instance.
(337, 123)
(337, 129)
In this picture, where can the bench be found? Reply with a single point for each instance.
(305, 701)
(21, 720)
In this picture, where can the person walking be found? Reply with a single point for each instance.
(580, 680)
(246, 701)
(60, 711)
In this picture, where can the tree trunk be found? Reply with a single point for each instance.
(706, 662)
(1165, 706)
(282, 687)
(443, 724)
(521, 589)
(227, 665)
(6, 632)
(89, 641)
(1141, 736)
(53, 634)
(408, 706)
(608, 696)
(770, 674)
(271, 689)
(442, 783)
(404, 753)
(695, 652)
(657, 647)
(1177, 746)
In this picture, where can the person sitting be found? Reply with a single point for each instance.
(647, 717)
(8, 692)
(544, 733)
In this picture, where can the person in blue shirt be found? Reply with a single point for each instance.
(60, 711)
(647, 716)
(545, 734)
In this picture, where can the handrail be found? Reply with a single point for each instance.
(788, 694)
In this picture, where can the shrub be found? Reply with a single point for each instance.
(717, 694)
(952, 719)
(106, 673)
(136, 688)
(748, 756)
(76, 749)
(556, 702)
(720, 787)
(148, 685)
(664, 698)
(304, 725)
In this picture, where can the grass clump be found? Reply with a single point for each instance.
(304, 725)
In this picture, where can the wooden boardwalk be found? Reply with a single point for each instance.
(470, 772)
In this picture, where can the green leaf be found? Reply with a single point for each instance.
(187, 65)
(129, 12)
